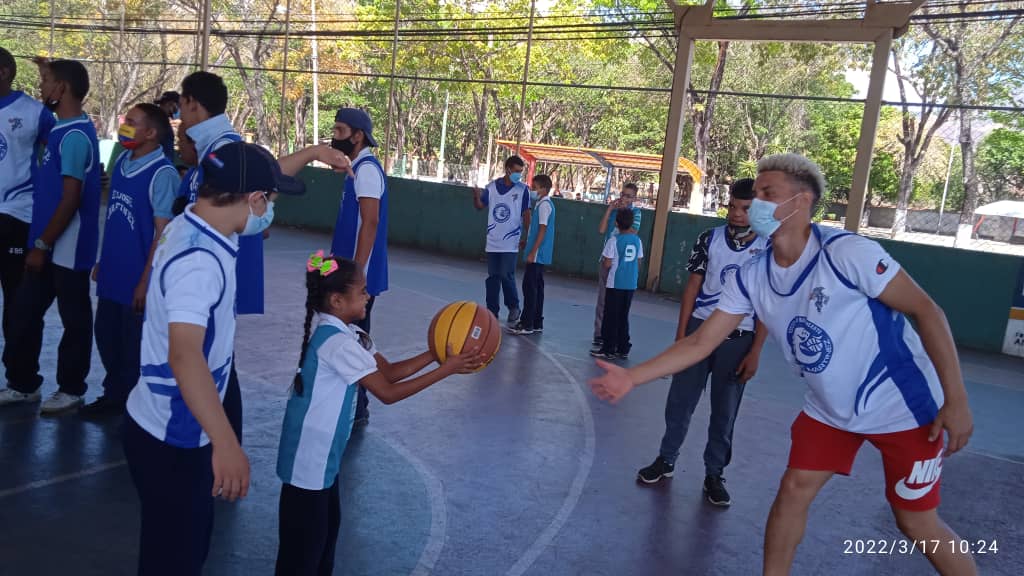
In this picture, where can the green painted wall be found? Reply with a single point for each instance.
(975, 289)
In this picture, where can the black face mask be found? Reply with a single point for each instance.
(345, 146)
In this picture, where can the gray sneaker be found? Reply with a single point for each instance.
(60, 402)
(9, 396)
(513, 316)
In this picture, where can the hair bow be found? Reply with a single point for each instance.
(326, 266)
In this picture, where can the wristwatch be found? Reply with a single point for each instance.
(40, 244)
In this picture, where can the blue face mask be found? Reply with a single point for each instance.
(762, 216)
(257, 224)
(534, 195)
(516, 177)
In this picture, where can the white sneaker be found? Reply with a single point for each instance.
(60, 402)
(8, 396)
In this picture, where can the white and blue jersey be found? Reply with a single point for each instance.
(544, 215)
(209, 135)
(865, 367)
(505, 208)
(723, 259)
(193, 282)
(369, 182)
(72, 150)
(140, 189)
(613, 230)
(625, 251)
(24, 126)
(317, 423)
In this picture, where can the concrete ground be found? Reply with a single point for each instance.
(517, 470)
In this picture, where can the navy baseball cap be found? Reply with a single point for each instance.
(357, 120)
(241, 168)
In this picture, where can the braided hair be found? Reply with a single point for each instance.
(318, 290)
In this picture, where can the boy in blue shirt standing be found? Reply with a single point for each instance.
(621, 258)
(508, 201)
(540, 245)
(143, 184)
(608, 229)
(63, 237)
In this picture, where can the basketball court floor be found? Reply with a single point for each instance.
(517, 470)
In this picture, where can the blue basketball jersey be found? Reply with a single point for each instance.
(77, 246)
(625, 251)
(864, 365)
(350, 222)
(128, 231)
(24, 127)
(546, 249)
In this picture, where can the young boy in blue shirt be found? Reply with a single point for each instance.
(539, 247)
(143, 184)
(621, 258)
(63, 237)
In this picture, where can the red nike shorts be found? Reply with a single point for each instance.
(913, 465)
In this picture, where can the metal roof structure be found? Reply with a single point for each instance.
(607, 159)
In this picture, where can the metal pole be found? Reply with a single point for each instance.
(204, 60)
(444, 136)
(284, 79)
(316, 77)
(526, 76)
(945, 189)
(391, 89)
(53, 19)
(868, 129)
(670, 155)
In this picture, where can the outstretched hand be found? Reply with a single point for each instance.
(613, 385)
(467, 362)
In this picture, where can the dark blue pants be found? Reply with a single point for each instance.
(35, 296)
(233, 403)
(119, 339)
(501, 277)
(615, 327)
(308, 524)
(362, 402)
(13, 239)
(726, 393)
(533, 297)
(174, 486)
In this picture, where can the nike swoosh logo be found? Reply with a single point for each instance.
(908, 493)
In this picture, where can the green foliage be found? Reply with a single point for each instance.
(1001, 164)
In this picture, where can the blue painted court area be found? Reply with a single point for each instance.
(517, 470)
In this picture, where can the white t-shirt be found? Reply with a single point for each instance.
(543, 210)
(865, 367)
(193, 282)
(369, 181)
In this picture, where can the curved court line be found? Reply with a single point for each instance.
(582, 471)
(582, 474)
(438, 508)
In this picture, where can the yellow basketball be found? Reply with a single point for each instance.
(464, 326)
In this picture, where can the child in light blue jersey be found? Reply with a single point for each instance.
(540, 244)
(337, 357)
(621, 258)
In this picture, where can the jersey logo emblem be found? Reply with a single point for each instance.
(881, 267)
(502, 213)
(755, 251)
(15, 123)
(727, 272)
(820, 298)
(810, 344)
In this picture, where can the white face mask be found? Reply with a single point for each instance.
(762, 216)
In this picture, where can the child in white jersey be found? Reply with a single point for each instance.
(336, 358)
(838, 305)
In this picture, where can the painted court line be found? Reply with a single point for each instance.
(62, 478)
(586, 462)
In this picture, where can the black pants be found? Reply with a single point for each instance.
(174, 486)
(533, 297)
(119, 340)
(35, 296)
(615, 327)
(233, 403)
(308, 523)
(362, 402)
(13, 240)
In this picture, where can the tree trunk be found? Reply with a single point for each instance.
(970, 179)
(899, 221)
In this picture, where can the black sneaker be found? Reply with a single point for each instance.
(513, 316)
(520, 330)
(714, 489)
(660, 469)
(101, 409)
(603, 355)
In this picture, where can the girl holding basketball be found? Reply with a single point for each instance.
(336, 357)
